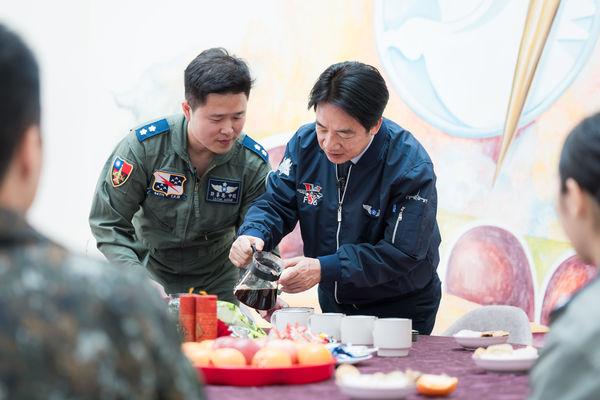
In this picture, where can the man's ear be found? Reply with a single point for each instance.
(185, 106)
(373, 131)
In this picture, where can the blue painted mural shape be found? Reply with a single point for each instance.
(452, 62)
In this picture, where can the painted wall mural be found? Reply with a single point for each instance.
(449, 65)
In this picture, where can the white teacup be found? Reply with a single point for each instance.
(327, 323)
(291, 315)
(392, 336)
(357, 329)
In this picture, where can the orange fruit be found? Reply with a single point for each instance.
(270, 357)
(198, 354)
(207, 344)
(227, 357)
(313, 353)
(436, 385)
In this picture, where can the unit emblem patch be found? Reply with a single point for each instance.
(312, 193)
(121, 171)
(167, 184)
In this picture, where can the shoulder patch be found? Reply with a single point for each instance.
(152, 129)
(121, 171)
(255, 147)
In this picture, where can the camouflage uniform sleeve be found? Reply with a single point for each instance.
(89, 331)
(120, 190)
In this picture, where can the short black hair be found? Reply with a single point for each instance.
(580, 157)
(215, 71)
(19, 94)
(357, 88)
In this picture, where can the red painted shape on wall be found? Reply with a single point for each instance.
(488, 265)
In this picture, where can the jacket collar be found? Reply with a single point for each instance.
(14, 230)
(375, 152)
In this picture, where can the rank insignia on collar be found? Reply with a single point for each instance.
(121, 170)
(224, 191)
(168, 185)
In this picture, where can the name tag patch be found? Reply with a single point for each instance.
(224, 191)
(168, 185)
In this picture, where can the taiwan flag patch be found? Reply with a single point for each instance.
(167, 184)
(121, 171)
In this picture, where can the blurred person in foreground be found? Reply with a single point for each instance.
(363, 189)
(175, 190)
(70, 327)
(569, 363)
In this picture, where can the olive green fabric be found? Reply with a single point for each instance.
(76, 328)
(569, 364)
(183, 242)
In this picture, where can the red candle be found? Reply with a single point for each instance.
(206, 317)
(187, 316)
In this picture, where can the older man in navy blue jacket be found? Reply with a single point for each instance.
(364, 192)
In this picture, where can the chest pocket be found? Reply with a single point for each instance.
(161, 211)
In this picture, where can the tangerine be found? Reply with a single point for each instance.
(271, 357)
(314, 353)
(227, 357)
(207, 343)
(198, 354)
(436, 385)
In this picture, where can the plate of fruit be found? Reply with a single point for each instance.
(257, 362)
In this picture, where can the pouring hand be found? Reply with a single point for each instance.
(300, 274)
(241, 250)
(279, 304)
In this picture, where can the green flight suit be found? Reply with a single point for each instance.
(152, 209)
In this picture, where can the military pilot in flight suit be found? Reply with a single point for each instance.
(173, 193)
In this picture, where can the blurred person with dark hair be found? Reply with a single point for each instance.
(175, 190)
(363, 189)
(569, 363)
(70, 327)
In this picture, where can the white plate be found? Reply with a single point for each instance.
(353, 360)
(366, 392)
(505, 365)
(475, 342)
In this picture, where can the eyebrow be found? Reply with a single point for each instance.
(223, 115)
(338, 131)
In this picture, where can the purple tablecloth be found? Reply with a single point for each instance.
(430, 354)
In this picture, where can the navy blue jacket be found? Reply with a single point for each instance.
(382, 241)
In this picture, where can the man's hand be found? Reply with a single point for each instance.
(160, 289)
(300, 274)
(279, 304)
(241, 250)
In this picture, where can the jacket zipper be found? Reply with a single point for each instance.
(397, 222)
(195, 202)
(341, 196)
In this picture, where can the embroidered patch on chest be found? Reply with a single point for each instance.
(224, 191)
(370, 210)
(167, 184)
(121, 171)
(312, 193)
